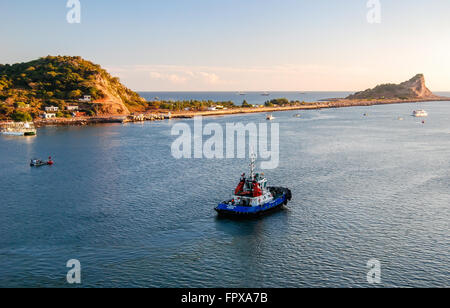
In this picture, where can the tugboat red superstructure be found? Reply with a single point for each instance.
(253, 197)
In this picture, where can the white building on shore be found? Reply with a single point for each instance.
(51, 109)
(72, 108)
(86, 99)
(48, 115)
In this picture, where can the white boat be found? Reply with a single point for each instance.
(270, 117)
(10, 133)
(420, 113)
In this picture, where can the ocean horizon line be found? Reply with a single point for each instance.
(245, 91)
(262, 91)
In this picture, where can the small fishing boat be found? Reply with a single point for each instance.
(420, 114)
(40, 163)
(298, 115)
(253, 197)
(270, 117)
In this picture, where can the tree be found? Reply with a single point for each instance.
(245, 104)
(75, 94)
(4, 110)
(21, 116)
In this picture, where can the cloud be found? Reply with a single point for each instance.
(235, 78)
(155, 75)
(210, 78)
(181, 75)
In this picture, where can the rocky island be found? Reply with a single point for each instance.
(411, 91)
(415, 88)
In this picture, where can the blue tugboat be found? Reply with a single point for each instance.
(253, 197)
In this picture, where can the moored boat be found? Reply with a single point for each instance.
(253, 197)
(420, 114)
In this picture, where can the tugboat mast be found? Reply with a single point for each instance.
(252, 165)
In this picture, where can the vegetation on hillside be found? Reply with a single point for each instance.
(198, 105)
(21, 116)
(193, 105)
(384, 91)
(55, 81)
(282, 102)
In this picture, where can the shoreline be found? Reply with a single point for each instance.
(337, 103)
(161, 115)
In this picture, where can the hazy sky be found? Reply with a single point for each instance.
(261, 45)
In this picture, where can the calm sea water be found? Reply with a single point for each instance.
(363, 187)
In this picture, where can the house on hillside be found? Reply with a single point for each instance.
(48, 115)
(51, 109)
(86, 99)
(72, 108)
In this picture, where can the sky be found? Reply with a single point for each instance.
(239, 45)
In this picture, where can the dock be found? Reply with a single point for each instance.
(10, 128)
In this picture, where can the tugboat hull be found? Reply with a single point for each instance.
(246, 212)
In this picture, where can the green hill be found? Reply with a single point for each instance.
(59, 81)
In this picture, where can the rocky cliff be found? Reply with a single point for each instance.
(415, 88)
